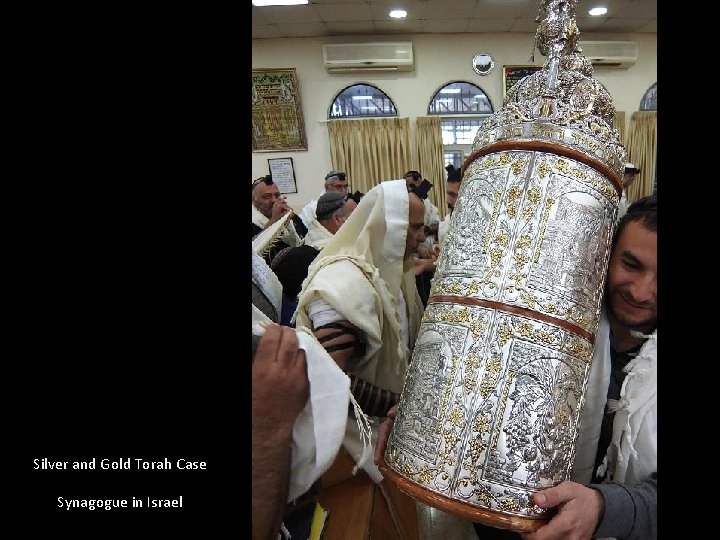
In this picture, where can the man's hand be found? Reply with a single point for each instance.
(280, 386)
(579, 510)
(424, 253)
(424, 265)
(384, 433)
(279, 209)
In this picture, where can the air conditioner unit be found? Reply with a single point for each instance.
(619, 54)
(354, 57)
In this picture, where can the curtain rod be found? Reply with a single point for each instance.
(368, 118)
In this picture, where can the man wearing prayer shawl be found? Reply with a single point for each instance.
(361, 301)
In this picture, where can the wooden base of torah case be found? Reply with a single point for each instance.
(490, 407)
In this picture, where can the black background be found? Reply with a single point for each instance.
(129, 277)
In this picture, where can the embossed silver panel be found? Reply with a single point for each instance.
(489, 411)
(531, 230)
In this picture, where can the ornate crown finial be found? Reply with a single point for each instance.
(562, 101)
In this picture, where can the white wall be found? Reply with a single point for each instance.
(439, 59)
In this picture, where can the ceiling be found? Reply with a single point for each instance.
(370, 17)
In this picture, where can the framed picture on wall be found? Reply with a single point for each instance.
(514, 74)
(283, 174)
(277, 118)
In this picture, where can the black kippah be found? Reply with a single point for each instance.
(421, 190)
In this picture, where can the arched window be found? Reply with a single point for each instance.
(649, 103)
(649, 100)
(463, 107)
(360, 101)
(460, 97)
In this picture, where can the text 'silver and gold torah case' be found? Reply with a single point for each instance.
(490, 407)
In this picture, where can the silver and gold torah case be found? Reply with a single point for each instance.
(489, 410)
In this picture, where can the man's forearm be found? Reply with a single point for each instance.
(271, 455)
(630, 512)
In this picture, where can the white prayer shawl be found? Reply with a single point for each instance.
(319, 429)
(268, 283)
(317, 236)
(623, 205)
(632, 454)
(289, 235)
(307, 214)
(432, 214)
(362, 274)
(443, 227)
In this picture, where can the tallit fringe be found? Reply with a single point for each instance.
(283, 533)
(636, 334)
(614, 405)
(363, 423)
(268, 238)
(603, 467)
(271, 244)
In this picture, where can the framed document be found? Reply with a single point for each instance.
(277, 118)
(283, 174)
(514, 74)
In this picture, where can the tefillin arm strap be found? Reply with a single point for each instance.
(343, 331)
(372, 399)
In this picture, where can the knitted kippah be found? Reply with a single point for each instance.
(328, 203)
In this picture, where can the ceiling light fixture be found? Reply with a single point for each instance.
(279, 2)
(398, 13)
(597, 11)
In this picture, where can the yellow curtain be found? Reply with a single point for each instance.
(431, 158)
(370, 150)
(641, 150)
(619, 124)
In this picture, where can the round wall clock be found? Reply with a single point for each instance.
(482, 63)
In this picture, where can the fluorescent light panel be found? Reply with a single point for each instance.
(358, 98)
(398, 13)
(450, 91)
(596, 11)
(279, 2)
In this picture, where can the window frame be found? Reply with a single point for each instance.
(468, 112)
(330, 115)
(649, 97)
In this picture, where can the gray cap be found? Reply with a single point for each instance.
(328, 203)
